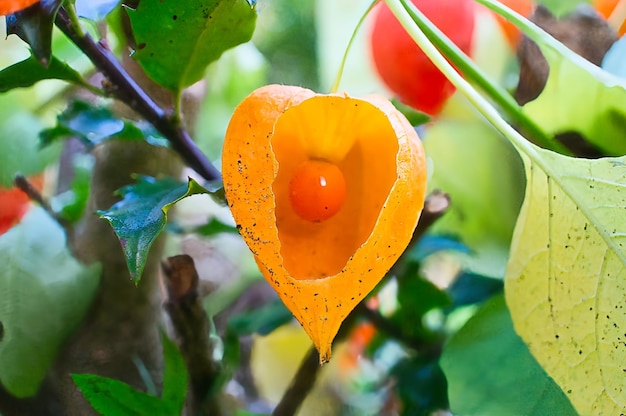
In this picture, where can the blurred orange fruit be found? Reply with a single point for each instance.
(11, 6)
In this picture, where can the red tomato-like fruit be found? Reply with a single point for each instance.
(317, 190)
(13, 206)
(402, 65)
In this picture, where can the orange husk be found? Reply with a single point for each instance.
(8, 7)
(322, 270)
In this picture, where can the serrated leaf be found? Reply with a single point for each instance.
(191, 35)
(175, 375)
(93, 125)
(111, 397)
(44, 293)
(565, 279)
(30, 71)
(34, 26)
(491, 372)
(578, 96)
(141, 215)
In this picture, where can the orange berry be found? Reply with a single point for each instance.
(317, 190)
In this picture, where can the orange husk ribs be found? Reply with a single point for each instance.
(322, 269)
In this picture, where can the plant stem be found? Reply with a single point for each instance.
(128, 91)
(300, 386)
(335, 86)
(472, 72)
(481, 104)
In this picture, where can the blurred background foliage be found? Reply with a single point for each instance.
(389, 361)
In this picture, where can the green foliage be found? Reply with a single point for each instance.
(70, 205)
(114, 398)
(215, 226)
(44, 293)
(34, 26)
(140, 216)
(30, 71)
(484, 177)
(19, 147)
(564, 282)
(94, 124)
(190, 36)
(421, 385)
(491, 372)
(262, 320)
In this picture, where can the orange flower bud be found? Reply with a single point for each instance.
(289, 156)
(8, 7)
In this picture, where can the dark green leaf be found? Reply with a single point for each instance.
(261, 321)
(215, 226)
(111, 397)
(191, 34)
(30, 71)
(491, 372)
(471, 288)
(175, 375)
(416, 296)
(95, 9)
(140, 216)
(44, 293)
(34, 26)
(421, 386)
(93, 125)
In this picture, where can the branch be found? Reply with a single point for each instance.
(191, 325)
(128, 91)
(300, 386)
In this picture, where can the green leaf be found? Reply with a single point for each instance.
(175, 377)
(491, 372)
(484, 177)
(565, 279)
(578, 96)
(93, 125)
(34, 26)
(215, 226)
(111, 397)
(421, 385)
(44, 293)
(140, 216)
(191, 34)
(114, 398)
(30, 71)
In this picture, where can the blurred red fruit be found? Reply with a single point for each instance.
(14, 203)
(402, 65)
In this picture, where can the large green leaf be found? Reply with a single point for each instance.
(566, 279)
(484, 177)
(30, 71)
(491, 372)
(175, 377)
(191, 34)
(140, 216)
(44, 293)
(578, 96)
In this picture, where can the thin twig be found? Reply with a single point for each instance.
(128, 91)
(300, 386)
(22, 183)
